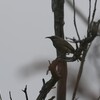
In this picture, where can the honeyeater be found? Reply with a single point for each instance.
(62, 45)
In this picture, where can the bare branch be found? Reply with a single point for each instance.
(47, 86)
(58, 9)
(89, 12)
(75, 20)
(78, 12)
(10, 95)
(86, 43)
(79, 75)
(52, 98)
(89, 18)
(25, 91)
(94, 11)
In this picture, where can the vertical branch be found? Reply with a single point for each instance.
(90, 29)
(89, 18)
(89, 12)
(92, 20)
(10, 95)
(94, 11)
(89, 23)
(25, 91)
(85, 49)
(61, 86)
(79, 74)
(78, 12)
(75, 20)
(58, 9)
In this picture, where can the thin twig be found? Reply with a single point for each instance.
(52, 98)
(25, 91)
(79, 74)
(47, 86)
(89, 12)
(75, 20)
(94, 11)
(89, 18)
(10, 95)
(78, 12)
(87, 46)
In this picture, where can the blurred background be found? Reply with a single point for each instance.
(24, 51)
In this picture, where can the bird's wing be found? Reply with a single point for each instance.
(66, 44)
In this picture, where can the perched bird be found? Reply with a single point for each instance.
(61, 45)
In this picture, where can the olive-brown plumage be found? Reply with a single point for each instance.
(61, 45)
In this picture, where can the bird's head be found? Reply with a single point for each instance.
(52, 38)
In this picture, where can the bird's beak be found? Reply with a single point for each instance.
(48, 37)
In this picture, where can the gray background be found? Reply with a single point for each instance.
(24, 24)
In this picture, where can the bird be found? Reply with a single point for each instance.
(61, 45)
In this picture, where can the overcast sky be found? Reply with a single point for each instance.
(24, 24)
